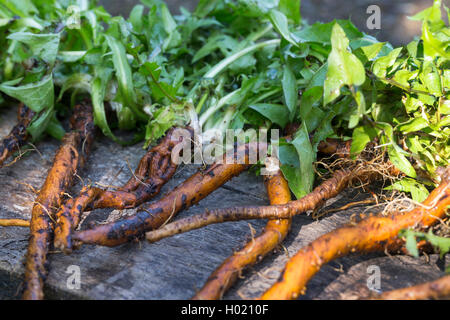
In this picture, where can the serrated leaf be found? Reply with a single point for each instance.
(40, 123)
(415, 124)
(431, 78)
(418, 191)
(310, 111)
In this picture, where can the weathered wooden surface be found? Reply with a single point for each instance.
(173, 268)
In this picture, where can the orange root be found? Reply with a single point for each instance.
(14, 223)
(153, 171)
(274, 233)
(371, 234)
(69, 157)
(152, 216)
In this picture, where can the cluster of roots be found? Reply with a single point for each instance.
(56, 217)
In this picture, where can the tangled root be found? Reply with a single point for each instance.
(371, 234)
(152, 173)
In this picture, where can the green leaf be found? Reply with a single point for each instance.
(371, 51)
(173, 38)
(79, 81)
(280, 24)
(398, 158)
(21, 8)
(304, 174)
(361, 137)
(204, 7)
(98, 96)
(55, 129)
(418, 191)
(290, 90)
(124, 75)
(71, 56)
(344, 68)
(40, 123)
(321, 32)
(136, 18)
(291, 8)
(431, 78)
(396, 154)
(411, 244)
(220, 41)
(45, 46)
(441, 243)
(310, 111)
(159, 88)
(163, 119)
(359, 112)
(276, 113)
(404, 76)
(433, 46)
(445, 107)
(37, 96)
(415, 124)
(381, 65)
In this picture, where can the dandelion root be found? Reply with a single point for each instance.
(18, 135)
(14, 223)
(153, 171)
(327, 190)
(69, 157)
(274, 233)
(371, 234)
(152, 216)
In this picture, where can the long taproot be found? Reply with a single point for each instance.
(155, 169)
(371, 234)
(152, 216)
(70, 156)
(273, 234)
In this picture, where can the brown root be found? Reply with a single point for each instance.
(18, 135)
(274, 233)
(70, 156)
(154, 170)
(437, 289)
(371, 234)
(14, 223)
(153, 215)
(330, 188)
